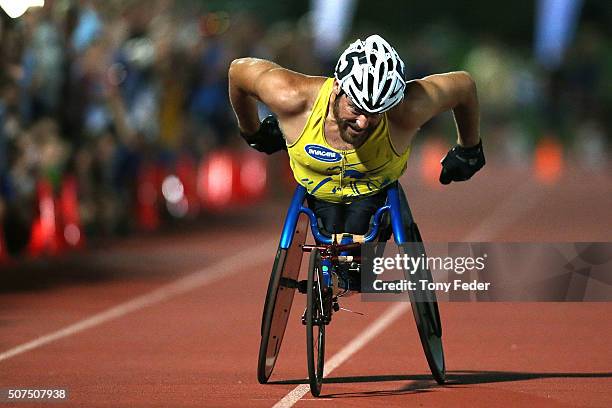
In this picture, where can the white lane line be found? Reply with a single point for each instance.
(526, 196)
(223, 269)
(373, 330)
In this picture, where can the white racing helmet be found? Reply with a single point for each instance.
(372, 74)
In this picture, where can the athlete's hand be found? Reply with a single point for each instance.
(268, 138)
(460, 163)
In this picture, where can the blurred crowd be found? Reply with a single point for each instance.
(96, 89)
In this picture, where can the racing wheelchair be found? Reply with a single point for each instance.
(327, 255)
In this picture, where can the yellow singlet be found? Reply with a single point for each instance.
(341, 175)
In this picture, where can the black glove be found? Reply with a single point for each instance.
(460, 163)
(268, 138)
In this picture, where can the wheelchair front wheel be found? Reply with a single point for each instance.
(315, 323)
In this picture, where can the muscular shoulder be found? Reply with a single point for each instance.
(425, 98)
(285, 92)
(444, 89)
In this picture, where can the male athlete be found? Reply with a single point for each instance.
(349, 137)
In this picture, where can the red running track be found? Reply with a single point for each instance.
(173, 320)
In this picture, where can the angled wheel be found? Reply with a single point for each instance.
(424, 302)
(279, 298)
(315, 324)
(426, 313)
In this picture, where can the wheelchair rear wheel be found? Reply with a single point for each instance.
(279, 298)
(425, 311)
(424, 302)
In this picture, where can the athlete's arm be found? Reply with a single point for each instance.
(252, 79)
(427, 97)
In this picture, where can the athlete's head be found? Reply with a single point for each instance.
(370, 79)
(372, 74)
(354, 124)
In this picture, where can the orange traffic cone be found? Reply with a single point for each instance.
(217, 180)
(548, 160)
(432, 151)
(43, 239)
(147, 214)
(70, 233)
(253, 175)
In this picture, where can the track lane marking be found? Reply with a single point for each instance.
(223, 269)
(378, 326)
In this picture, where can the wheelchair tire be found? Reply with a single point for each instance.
(426, 315)
(315, 326)
(424, 302)
(279, 298)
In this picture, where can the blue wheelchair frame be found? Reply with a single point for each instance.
(405, 231)
(296, 207)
